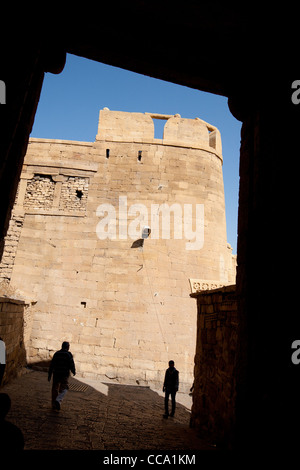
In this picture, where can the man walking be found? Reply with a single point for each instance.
(2, 359)
(170, 387)
(61, 365)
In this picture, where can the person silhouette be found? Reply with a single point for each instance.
(61, 365)
(170, 387)
(11, 437)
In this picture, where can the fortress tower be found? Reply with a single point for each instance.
(106, 235)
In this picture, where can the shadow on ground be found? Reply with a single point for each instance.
(100, 417)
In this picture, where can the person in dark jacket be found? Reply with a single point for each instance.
(170, 387)
(61, 365)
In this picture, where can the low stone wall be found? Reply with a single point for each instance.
(14, 323)
(213, 410)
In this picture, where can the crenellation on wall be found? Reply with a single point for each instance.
(116, 127)
(124, 127)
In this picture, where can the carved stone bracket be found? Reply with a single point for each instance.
(198, 285)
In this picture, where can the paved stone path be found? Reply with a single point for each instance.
(101, 417)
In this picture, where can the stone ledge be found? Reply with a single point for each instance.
(12, 300)
(34, 140)
(59, 165)
(201, 285)
(54, 212)
(222, 289)
(163, 142)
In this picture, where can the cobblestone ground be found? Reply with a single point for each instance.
(101, 417)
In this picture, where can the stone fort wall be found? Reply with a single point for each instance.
(122, 301)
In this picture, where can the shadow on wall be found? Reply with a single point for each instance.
(97, 416)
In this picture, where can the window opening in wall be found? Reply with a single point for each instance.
(159, 125)
(79, 193)
(140, 156)
(83, 304)
(107, 153)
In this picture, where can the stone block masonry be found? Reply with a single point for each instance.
(123, 305)
(67, 193)
(213, 410)
(15, 326)
(74, 193)
(40, 192)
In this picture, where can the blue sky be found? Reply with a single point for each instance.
(70, 103)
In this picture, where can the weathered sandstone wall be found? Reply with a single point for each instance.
(122, 301)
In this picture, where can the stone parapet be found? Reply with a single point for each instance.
(117, 126)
